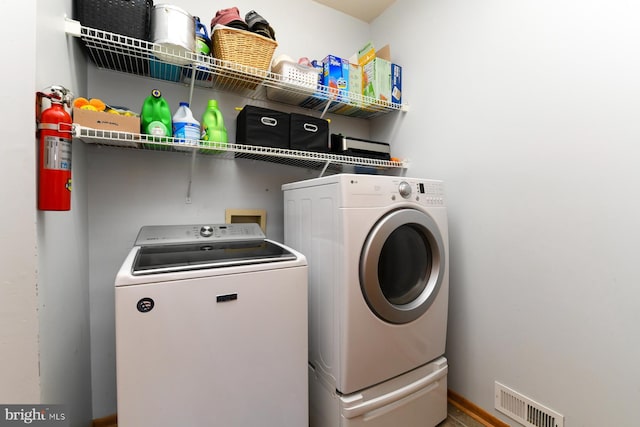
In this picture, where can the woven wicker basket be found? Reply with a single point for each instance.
(248, 54)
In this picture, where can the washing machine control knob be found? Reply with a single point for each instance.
(404, 189)
(206, 231)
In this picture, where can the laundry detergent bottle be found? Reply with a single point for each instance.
(203, 41)
(214, 133)
(203, 47)
(155, 118)
(186, 129)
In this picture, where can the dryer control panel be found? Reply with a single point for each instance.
(425, 192)
(362, 191)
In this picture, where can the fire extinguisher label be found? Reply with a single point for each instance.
(57, 153)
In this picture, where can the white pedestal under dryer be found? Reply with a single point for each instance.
(211, 329)
(377, 250)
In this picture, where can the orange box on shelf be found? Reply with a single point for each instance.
(106, 121)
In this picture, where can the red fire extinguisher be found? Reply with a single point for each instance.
(54, 169)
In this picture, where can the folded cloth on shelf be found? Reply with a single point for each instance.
(259, 25)
(229, 17)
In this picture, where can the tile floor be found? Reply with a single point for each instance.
(457, 418)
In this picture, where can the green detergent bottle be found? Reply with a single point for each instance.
(214, 134)
(155, 119)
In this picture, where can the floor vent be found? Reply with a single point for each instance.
(524, 410)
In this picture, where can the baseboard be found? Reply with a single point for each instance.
(474, 411)
(469, 408)
(109, 421)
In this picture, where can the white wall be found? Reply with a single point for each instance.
(19, 380)
(63, 265)
(529, 111)
(129, 188)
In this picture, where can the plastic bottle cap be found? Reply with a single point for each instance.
(213, 103)
(184, 104)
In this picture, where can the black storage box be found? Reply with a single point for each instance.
(263, 127)
(308, 133)
(129, 18)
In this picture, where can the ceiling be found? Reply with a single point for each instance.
(365, 10)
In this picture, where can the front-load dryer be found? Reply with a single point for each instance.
(377, 250)
(211, 329)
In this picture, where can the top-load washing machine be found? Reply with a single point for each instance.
(377, 248)
(211, 329)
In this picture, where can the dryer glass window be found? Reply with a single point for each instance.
(404, 265)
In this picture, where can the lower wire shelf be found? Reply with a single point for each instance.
(306, 159)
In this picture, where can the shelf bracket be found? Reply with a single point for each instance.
(324, 169)
(326, 107)
(192, 84)
(72, 27)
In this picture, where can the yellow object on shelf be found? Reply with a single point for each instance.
(80, 102)
(98, 104)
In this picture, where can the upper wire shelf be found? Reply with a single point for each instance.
(134, 56)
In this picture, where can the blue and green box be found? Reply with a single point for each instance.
(335, 75)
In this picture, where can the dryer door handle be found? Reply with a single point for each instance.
(394, 396)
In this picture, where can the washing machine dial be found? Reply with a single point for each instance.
(206, 231)
(404, 189)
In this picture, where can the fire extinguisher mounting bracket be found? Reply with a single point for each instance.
(59, 127)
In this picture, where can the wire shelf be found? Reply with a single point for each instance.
(307, 159)
(134, 56)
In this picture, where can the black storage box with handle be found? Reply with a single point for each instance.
(263, 127)
(308, 133)
(129, 18)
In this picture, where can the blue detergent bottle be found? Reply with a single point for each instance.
(203, 47)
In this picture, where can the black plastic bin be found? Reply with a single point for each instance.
(129, 18)
(263, 127)
(308, 133)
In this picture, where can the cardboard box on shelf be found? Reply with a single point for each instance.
(384, 52)
(106, 121)
(355, 78)
(396, 75)
(335, 75)
(396, 84)
(366, 54)
(376, 79)
(376, 72)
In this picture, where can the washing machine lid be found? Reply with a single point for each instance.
(166, 249)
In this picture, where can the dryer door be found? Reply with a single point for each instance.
(402, 265)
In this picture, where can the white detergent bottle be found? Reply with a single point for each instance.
(186, 129)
